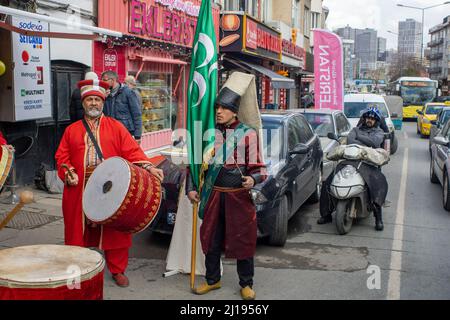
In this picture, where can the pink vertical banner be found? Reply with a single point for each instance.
(328, 70)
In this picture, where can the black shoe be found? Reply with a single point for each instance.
(325, 220)
(379, 224)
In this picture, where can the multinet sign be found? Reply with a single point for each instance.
(165, 20)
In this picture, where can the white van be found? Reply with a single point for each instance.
(355, 104)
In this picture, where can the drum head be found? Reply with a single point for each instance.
(47, 266)
(6, 158)
(106, 189)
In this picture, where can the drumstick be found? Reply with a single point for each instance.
(65, 166)
(26, 197)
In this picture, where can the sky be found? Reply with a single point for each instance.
(383, 15)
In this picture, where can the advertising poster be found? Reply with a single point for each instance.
(328, 70)
(32, 83)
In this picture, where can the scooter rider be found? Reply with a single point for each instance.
(368, 133)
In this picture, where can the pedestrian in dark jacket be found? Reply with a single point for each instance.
(130, 82)
(122, 104)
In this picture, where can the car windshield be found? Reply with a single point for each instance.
(272, 142)
(355, 109)
(445, 117)
(418, 95)
(321, 123)
(434, 109)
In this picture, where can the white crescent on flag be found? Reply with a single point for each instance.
(213, 67)
(209, 46)
(201, 84)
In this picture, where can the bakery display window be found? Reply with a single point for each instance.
(158, 106)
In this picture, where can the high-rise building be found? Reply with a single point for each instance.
(439, 55)
(349, 57)
(381, 51)
(366, 49)
(410, 38)
(346, 33)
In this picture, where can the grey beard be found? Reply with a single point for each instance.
(94, 113)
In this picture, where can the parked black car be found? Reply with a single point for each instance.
(293, 155)
(440, 163)
(438, 124)
(324, 121)
(173, 180)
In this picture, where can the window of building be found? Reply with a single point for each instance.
(234, 5)
(252, 8)
(307, 22)
(267, 12)
(296, 14)
(315, 20)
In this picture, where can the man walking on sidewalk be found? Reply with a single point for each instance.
(122, 104)
(84, 145)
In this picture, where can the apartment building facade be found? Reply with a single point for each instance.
(439, 54)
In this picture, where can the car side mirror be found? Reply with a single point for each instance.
(333, 136)
(300, 149)
(442, 141)
(420, 112)
(394, 115)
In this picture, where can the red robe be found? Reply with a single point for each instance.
(115, 140)
(2, 140)
(240, 212)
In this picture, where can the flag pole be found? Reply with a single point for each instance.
(194, 243)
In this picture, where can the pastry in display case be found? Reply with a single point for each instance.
(156, 92)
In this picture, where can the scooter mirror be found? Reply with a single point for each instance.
(332, 136)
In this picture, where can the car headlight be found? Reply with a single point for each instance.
(427, 121)
(258, 197)
(348, 171)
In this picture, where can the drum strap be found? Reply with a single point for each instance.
(94, 141)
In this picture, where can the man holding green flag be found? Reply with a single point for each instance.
(201, 97)
(232, 168)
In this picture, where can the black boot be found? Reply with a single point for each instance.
(325, 220)
(378, 220)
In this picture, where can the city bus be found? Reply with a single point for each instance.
(415, 92)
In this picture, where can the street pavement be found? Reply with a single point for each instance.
(410, 259)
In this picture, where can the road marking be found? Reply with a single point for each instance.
(394, 283)
(405, 134)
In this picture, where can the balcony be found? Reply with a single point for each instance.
(435, 70)
(435, 56)
(435, 43)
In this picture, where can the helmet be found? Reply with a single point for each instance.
(372, 111)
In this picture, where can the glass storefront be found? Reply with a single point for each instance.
(159, 107)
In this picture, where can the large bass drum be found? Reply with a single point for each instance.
(51, 272)
(122, 196)
(6, 159)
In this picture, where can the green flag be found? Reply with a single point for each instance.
(202, 90)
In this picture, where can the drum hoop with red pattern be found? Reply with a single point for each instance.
(6, 159)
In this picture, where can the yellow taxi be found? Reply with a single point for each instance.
(427, 115)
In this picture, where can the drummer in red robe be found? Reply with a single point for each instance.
(229, 219)
(3, 142)
(2, 139)
(78, 152)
